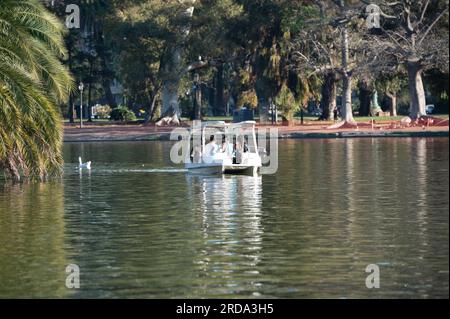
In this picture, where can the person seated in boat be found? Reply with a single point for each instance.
(245, 147)
(227, 147)
(211, 148)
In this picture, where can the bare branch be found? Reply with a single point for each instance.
(407, 11)
(387, 16)
(393, 4)
(423, 12)
(432, 25)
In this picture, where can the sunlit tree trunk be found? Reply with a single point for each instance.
(172, 67)
(170, 95)
(347, 110)
(393, 103)
(347, 100)
(416, 90)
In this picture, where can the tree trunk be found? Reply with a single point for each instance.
(211, 97)
(416, 90)
(328, 101)
(89, 109)
(347, 100)
(171, 80)
(264, 90)
(71, 109)
(347, 110)
(197, 110)
(106, 83)
(219, 107)
(170, 95)
(91, 71)
(152, 110)
(264, 106)
(365, 97)
(393, 103)
(172, 66)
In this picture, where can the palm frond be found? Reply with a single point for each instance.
(32, 83)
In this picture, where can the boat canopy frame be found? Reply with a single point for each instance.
(229, 127)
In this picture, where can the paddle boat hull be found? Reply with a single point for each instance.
(211, 169)
(204, 168)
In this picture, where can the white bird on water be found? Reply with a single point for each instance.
(84, 165)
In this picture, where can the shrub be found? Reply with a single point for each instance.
(122, 113)
(286, 102)
(248, 99)
(102, 111)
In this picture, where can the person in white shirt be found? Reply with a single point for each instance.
(211, 148)
(227, 147)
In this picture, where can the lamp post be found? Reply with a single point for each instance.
(81, 88)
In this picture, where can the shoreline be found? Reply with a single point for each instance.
(140, 133)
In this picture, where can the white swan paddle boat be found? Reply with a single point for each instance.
(223, 148)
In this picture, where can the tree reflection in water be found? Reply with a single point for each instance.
(32, 234)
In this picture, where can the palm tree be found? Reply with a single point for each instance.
(33, 81)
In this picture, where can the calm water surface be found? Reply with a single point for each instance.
(138, 227)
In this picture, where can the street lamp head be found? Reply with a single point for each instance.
(81, 86)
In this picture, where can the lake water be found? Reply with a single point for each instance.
(138, 227)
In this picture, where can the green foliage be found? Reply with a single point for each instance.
(299, 18)
(391, 83)
(123, 114)
(286, 102)
(248, 99)
(33, 82)
(103, 111)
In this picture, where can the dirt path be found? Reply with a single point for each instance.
(111, 132)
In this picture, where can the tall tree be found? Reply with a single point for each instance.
(316, 51)
(391, 84)
(172, 63)
(415, 33)
(329, 47)
(264, 31)
(342, 22)
(33, 82)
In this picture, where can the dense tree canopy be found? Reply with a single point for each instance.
(250, 53)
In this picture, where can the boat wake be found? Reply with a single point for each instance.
(128, 170)
(150, 170)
